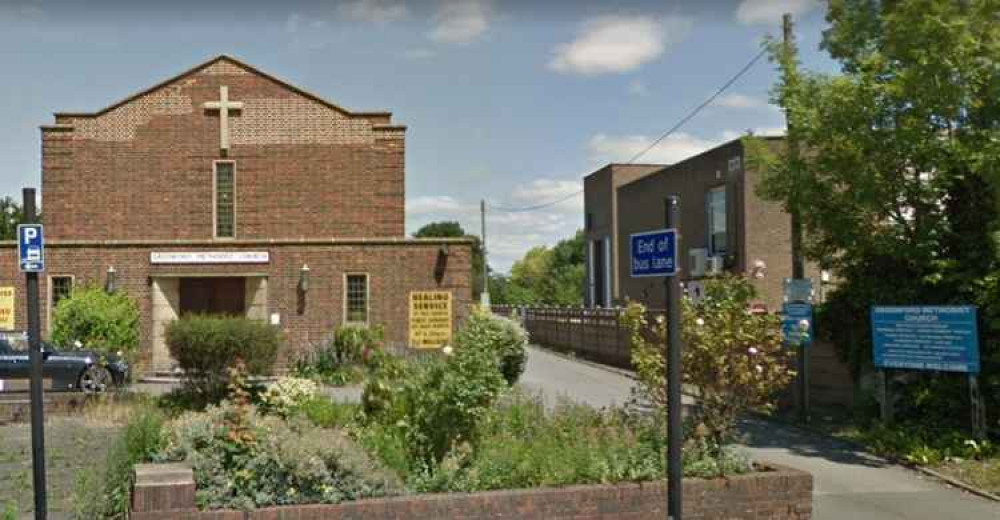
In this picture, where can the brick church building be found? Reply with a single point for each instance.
(227, 190)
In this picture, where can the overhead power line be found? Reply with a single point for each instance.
(537, 206)
(700, 107)
(660, 139)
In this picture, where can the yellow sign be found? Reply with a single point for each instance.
(430, 319)
(6, 308)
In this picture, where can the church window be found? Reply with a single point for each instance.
(356, 299)
(225, 204)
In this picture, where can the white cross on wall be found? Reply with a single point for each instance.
(223, 105)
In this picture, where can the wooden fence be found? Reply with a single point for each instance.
(597, 334)
(591, 333)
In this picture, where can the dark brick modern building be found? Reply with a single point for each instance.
(725, 225)
(227, 190)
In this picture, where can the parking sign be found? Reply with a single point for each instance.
(31, 248)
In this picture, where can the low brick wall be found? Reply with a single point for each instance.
(166, 492)
(16, 406)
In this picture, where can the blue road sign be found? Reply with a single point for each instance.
(797, 324)
(654, 253)
(926, 338)
(31, 248)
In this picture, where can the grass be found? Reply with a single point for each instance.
(72, 445)
(984, 475)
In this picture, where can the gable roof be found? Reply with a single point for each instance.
(238, 63)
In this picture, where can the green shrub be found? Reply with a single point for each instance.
(207, 347)
(244, 460)
(443, 401)
(287, 395)
(326, 413)
(923, 443)
(342, 359)
(503, 337)
(734, 358)
(9, 512)
(100, 321)
(524, 445)
(105, 493)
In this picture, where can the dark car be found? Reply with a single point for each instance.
(82, 370)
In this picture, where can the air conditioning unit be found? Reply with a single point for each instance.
(698, 261)
(715, 265)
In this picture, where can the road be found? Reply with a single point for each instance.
(848, 483)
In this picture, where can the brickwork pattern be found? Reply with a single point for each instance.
(783, 494)
(394, 267)
(144, 168)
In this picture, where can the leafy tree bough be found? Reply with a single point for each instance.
(898, 173)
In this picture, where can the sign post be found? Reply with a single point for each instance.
(31, 249)
(940, 338)
(798, 301)
(654, 253)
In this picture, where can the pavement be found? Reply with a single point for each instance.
(848, 483)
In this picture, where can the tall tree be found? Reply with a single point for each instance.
(898, 172)
(545, 276)
(10, 216)
(452, 229)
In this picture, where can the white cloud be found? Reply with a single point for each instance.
(619, 43)
(738, 101)
(769, 12)
(375, 11)
(461, 21)
(432, 205)
(605, 148)
(509, 234)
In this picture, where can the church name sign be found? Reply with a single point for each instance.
(210, 257)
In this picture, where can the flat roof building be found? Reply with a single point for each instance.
(724, 225)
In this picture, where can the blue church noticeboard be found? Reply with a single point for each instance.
(941, 338)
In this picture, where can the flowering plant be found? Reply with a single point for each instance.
(288, 394)
(732, 357)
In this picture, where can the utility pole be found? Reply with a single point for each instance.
(485, 297)
(798, 263)
(35, 387)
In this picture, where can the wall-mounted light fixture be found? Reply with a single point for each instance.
(304, 278)
(442, 262)
(109, 284)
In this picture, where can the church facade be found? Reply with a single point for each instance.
(226, 190)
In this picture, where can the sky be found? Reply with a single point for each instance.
(509, 101)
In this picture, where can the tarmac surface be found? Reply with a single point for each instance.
(848, 483)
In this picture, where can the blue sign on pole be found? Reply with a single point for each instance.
(796, 324)
(31, 248)
(941, 338)
(654, 253)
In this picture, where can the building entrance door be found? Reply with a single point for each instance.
(220, 296)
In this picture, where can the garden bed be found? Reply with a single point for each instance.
(167, 491)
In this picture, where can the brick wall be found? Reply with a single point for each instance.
(641, 208)
(781, 494)
(395, 267)
(143, 169)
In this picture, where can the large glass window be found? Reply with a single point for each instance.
(356, 299)
(225, 217)
(717, 242)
